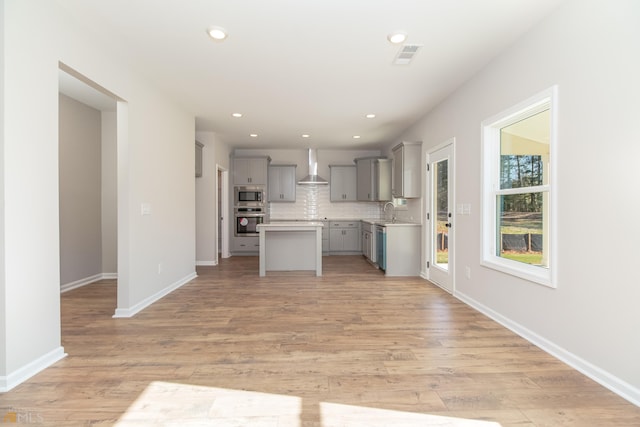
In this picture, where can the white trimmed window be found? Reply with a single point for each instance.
(518, 159)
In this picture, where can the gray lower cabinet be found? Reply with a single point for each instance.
(403, 250)
(325, 237)
(344, 236)
(368, 247)
(248, 245)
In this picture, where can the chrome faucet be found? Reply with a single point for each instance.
(393, 213)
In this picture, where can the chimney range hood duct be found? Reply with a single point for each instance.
(313, 178)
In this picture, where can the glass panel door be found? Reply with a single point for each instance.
(440, 218)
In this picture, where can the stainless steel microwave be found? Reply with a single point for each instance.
(249, 196)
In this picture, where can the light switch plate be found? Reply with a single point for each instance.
(145, 209)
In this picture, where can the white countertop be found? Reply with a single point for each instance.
(390, 223)
(374, 221)
(290, 224)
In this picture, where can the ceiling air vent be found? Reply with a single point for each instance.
(406, 54)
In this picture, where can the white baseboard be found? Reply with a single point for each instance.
(87, 281)
(130, 312)
(599, 375)
(21, 375)
(205, 263)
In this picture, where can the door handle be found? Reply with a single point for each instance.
(448, 225)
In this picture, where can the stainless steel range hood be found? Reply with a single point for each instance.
(313, 178)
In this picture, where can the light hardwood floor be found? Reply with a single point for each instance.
(351, 348)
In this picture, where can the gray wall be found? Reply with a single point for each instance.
(155, 166)
(590, 50)
(80, 191)
(109, 195)
(214, 153)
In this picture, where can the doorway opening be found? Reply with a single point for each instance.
(88, 138)
(222, 213)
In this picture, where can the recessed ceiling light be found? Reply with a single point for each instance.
(253, 135)
(217, 33)
(356, 136)
(238, 115)
(305, 135)
(397, 37)
(370, 116)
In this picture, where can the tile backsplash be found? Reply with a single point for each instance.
(313, 202)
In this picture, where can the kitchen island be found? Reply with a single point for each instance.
(290, 246)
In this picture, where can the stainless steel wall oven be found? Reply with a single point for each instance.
(247, 220)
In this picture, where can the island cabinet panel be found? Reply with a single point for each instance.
(250, 170)
(290, 245)
(343, 183)
(344, 236)
(282, 183)
(406, 170)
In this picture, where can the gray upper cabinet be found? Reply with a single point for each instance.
(282, 183)
(343, 183)
(373, 179)
(406, 170)
(199, 147)
(250, 170)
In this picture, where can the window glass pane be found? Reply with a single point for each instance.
(441, 173)
(521, 224)
(518, 171)
(524, 149)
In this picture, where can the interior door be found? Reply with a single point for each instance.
(440, 216)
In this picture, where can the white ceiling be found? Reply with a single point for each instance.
(308, 66)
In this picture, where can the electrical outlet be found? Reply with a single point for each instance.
(467, 272)
(160, 268)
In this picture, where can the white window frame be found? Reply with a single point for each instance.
(546, 276)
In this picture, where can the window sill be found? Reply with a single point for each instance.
(539, 275)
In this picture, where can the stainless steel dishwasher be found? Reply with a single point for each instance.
(381, 246)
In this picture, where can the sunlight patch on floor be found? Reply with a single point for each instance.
(172, 404)
(334, 415)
